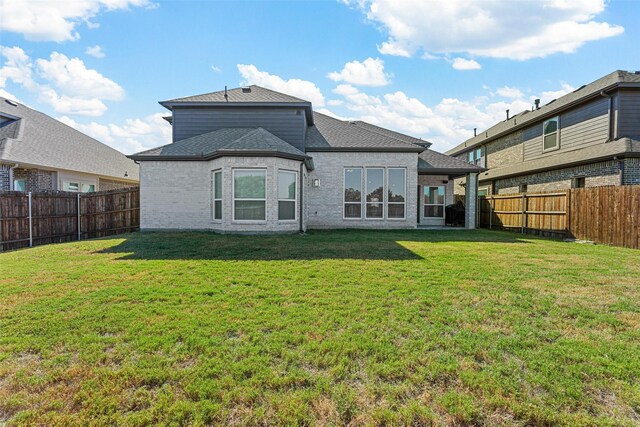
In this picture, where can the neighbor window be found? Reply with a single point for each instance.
(375, 193)
(89, 188)
(434, 202)
(20, 185)
(353, 193)
(397, 189)
(71, 186)
(217, 194)
(249, 195)
(550, 135)
(579, 182)
(287, 195)
(475, 156)
(523, 188)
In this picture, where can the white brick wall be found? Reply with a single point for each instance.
(325, 204)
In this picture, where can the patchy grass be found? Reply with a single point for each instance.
(328, 328)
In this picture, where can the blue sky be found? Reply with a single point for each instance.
(431, 69)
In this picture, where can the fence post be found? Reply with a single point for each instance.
(524, 210)
(79, 216)
(490, 212)
(567, 210)
(30, 222)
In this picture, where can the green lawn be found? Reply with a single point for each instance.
(328, 328)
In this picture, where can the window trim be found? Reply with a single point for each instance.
(557, 134)
(233, 196)
(213, 195)
(344, 201)
(384, 199)
(404, 217)
(295, 196)
(443, 204)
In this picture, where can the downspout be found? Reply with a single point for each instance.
(11, 184)
(301, 209)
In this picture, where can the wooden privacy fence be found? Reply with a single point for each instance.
(609, 215)
(30, 219)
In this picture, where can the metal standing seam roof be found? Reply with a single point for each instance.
(616, 78)
(223, 141)
(620, 147)
(39, 140)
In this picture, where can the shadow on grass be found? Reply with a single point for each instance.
(314, 245)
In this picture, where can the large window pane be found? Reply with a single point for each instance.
(217, 209)
(286, 210)
(217, 178)
(396, 210)
(375, 210)
(353, 185)
(375, 184)
(434, 195)
(286, 185)
(353, 210)
(249, 184)
(397, 185)
(550, 141)
(434, 211)
(249, 210)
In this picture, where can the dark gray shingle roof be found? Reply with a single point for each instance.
(616, 78)
(330, 134)
(39, 140)
(223, 141)
(255, 94)
(620, 147)
(432, 162)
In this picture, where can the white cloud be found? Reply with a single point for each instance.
(465, 64)
(447, 123)
(216, 69)
(486, 27)
(369, 72)
(63, 83)
(132, 136)
(47, 20)
(335, 102)
(95, 51)
(510, 92)
(295, 87)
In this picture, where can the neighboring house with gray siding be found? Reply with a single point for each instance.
(587, 138)
(39, 153)
(254, 160)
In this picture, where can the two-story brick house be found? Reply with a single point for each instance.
(587, 138)
(254, 160)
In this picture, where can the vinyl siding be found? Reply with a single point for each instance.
(629, 114)
(282, 122)
(579, 128)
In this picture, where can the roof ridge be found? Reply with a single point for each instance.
(388, 136)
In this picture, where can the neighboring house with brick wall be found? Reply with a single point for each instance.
(39, 153)
(255, 160)
(587, 138)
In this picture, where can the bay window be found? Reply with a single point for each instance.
(217, 195)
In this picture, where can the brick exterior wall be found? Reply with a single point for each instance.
(631, 175)
(178, 195)
(5, 177)
(325, 203)
(505, 151)
(36, 179)
(110, 184)
(596, 175)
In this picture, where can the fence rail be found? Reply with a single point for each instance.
(609, 215)
(30, 219)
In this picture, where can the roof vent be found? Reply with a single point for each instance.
(246, 89)
(537, 103)
(10, 102)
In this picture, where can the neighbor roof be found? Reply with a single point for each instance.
(615, 79)
(226, 141)
(621, 147)
(432, 162)
(36, 139)
(331, 134)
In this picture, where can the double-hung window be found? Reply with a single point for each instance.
(216, 186)
(375, 193)
(475, 156)
(434, 202)
(353, 193)
(397, 189)
(550, 134)
(249, 194)
(287, 189)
